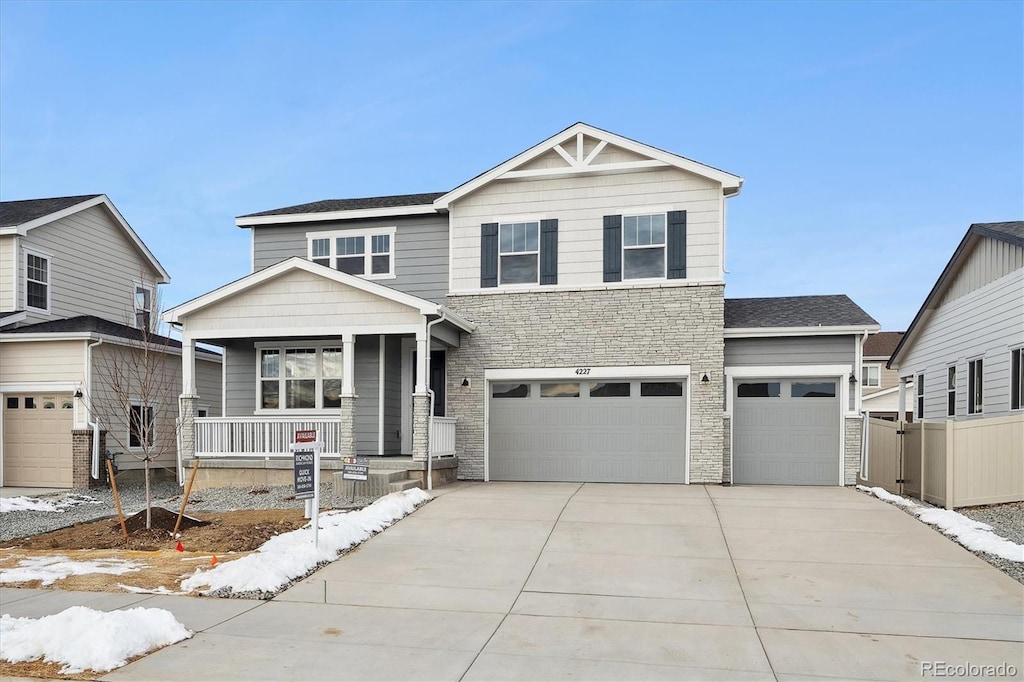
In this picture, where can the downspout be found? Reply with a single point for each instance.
(863, 415)
(430, 393)
(94, 424)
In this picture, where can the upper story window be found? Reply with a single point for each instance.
(367, 253)
(975, 386)
(518, 253)
(37, 282)
(871, 375)
(143, 301)
(643, 246)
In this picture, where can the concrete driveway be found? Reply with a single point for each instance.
(555, 581)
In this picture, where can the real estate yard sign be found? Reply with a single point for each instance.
(306, 454)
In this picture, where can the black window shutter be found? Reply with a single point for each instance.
(489, 255)
(549, 251)
(677, 244)
(613, 248)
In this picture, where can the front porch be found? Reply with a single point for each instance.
(309, 348)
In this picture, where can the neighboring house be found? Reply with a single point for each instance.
(78, 303)
(880, 385)
(559, 317)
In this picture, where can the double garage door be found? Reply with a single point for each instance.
(37, 439)
(786, 431)
(592, 430)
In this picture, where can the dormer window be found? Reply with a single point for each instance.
(143, 306)
(368, 253)
(37, 282)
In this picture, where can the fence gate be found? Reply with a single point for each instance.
(883, 466)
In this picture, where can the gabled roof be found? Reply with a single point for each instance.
(657, 156)
(1011, 232)
(18, 217)
(882, 344)
(294, 263)
(796, 314)
(14, 213)
(345, 209)
(90, 324)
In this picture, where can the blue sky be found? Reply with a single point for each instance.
(870, 134)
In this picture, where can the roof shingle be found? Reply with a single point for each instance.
(795, 311)
(330, 205)
(882, 344)
(97, 325)
(27, 210)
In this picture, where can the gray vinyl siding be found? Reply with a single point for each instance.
(93, 267)
(986, 323)
(420, 249)
(790, 350)
(367, 381)
(240, 379)
(393, 396)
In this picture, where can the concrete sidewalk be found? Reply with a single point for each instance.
(606, 581)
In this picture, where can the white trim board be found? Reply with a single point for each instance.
(766, 332)
(355, 214)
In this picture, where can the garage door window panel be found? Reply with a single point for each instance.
(763, 389)
(562, 390)
(659, 389)
(12, 402)
(30, 403)
(510, 390)
(820, 389)
(618, 389)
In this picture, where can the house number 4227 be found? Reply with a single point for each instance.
(582, 370)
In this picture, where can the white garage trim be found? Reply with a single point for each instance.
(840, 372)
(542, 373)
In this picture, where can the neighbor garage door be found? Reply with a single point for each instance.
(616, 430)
(786, 431)
(37, 440)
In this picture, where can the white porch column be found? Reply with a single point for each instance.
(422, 360)
(348, 357)
(187, 405)
(188, 366)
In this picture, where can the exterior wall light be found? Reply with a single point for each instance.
(705, 380)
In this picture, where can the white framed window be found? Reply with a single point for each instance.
(643, 246)
(366, 253)
(299, 378)
(919, 390)
(871, 375)
(951, 391)
(519, 253)
(143, 303)
(1017, 379)
(141, 425)
(975, 386)
(37, 281)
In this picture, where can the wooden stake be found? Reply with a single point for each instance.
(184, 500)
(117, 500)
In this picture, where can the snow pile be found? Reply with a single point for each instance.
(974, 535)
(52, 568)
(291, 555)
(12, 504)
(85, 639)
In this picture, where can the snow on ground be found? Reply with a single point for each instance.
(291, 555)
(52, 568)
(85, 639)
(974, 535)
(12, 504)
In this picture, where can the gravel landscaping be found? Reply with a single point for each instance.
(89, 505)
(1007, 520)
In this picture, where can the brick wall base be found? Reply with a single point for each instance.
(81, 459)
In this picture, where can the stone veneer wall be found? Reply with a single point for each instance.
(676, 325)
(854, 435)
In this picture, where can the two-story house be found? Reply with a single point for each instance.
(78, 304)
(880, 385)
(559, 317)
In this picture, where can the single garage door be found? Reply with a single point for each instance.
(786, 432)
(37, 440)
(614, 431)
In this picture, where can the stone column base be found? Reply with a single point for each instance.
(347, 432)
(420, 427)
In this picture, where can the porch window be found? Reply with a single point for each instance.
(367, 254)
(307, 378)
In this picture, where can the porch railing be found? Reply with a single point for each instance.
(442, 436)
(261, 436)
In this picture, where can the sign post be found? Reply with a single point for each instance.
(355, 469)
(306, 454)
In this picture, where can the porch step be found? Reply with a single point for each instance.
(378, 483)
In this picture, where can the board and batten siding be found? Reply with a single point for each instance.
(791, 350)
(35, 361)
(985, 323)
(8, 247)
(297, 300)
(580, 202)
(93, 267)
(989, 260)
(420, 249)
(240, 378)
